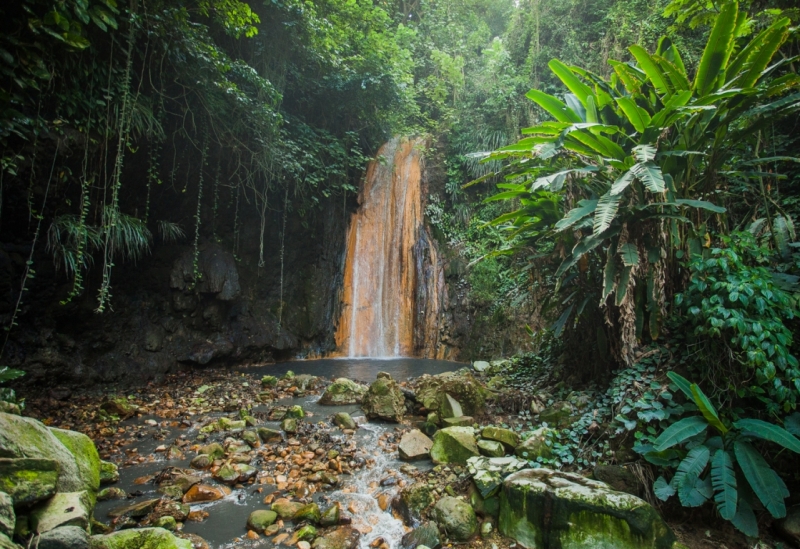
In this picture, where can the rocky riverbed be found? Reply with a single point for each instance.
(254, 459)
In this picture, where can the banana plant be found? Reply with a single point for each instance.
(719, 461)
(635, 162)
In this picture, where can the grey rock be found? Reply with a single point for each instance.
(426, 534)
(414, 445)
(65, 537)
(456, 517)
(7, 516)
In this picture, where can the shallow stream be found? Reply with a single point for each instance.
(357, 493)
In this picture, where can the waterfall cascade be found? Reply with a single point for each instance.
(393, 283)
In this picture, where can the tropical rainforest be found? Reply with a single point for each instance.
(608, 188)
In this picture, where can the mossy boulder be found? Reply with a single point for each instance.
(286, 509)
(269, 381)
(342, 391)
(7, 516)
(456, 517)
(23, 437)
(462, 386)
(491, 448)
(488, 472)
(63, 509)
(308, 512)
(425, 535)
(506, 437)
(413, 500)
(27, 481)
(538, 444)
(295, 411)
(558, 415)
(384, 400)
(330, 516)
(262, 519)
(109, 472)
(86, 456)
(120, 407)
(454, 445)
(542, 508)
(139, 538)
(213, 450)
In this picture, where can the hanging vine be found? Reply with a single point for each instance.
(283, 241)
(196, 274)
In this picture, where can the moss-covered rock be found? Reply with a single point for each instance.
(289, 425)
(558, 415)
(139, 538)
(384, 400)
(63, 509)
(330, 516)
(456, 517)
(426, 535)
(306, 533)
(491, 448)
(28, 481)
(295, 411)
(286, 509)
(344, 537)
(506, 437)
(269, 435)
(7, 516)
(6, 543)
(260, 520)
(541, 508)
(111, 493)
(342, 391)
(120, 407)
(538, 444)
(454, 445)
(213, 451)
(488, 472)
(413, 500)
(460, 421)
(109, 472)
(344, 421)
(22, 437)
(462, 386)
(308, 512)
(86, 456)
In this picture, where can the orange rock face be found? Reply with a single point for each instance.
(393, 283)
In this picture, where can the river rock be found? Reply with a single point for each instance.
(202, 493)
(261, 519)
(27, 481)
(426, 534)
(172, 492)
(166, 522)
(619, 478)
(343, 420)
(481, 365)
(491, 448)
(201, 461)
(120, 407)
(213, 451)
(64, 537)
(269, 381)
(111, 493)
(414, 445)
(581, 514)
(135, 510)
(140, 538)
(462, 386)
(506, 437)
(269, 435)
(109, 472)
(22, 437)
(460, 421)
(342, 391)
(308, 512)
(538, 444)
(295, 411)
(456, 517)
(289, 425)
(412, 501)
(63, 509)
(557, 415)
(286, 509)
(7, 516)
(251, 438)
(344, 537)
(384, 400)
(454, 445)
(330, 516)
(488, 472)
(450, 407)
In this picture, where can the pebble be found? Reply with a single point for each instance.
(303, 545)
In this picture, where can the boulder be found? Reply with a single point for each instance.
(413, 500)
(384, 400)
(462, 386)
(86, 456)
(64, 537)
(343, 391)
(295, 411)
(269, 435)
(414, 445)
(449, 407)
(619, 478)
(7, 516)
(63, 509)
(305, 382)
(120, 407)
(557, 415)
(460, 421)
(488, 473)
(491, 448)
(506, 437)
(454, 445)
(426, 535)
(286, 509)
(28, 480)
(344, 421)
(456, 517)
(344, 537)
(139, 538)
(542, 508)
(23, 437)
(261, 519)
(538, 444)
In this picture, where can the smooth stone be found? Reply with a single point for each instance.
(414, 445)
(28, 480)
(506, 437)
(480, 365)
(269, 435)
(261, 519)
(63, 509)
(344, 421)
(286, 509)
(450, 407)
(491, 448)
(202, 493)
(457, 517)
(64, 537)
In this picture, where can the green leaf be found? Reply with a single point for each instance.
(718, 49)
(650, 174)
(644, 153)
(585, 207)
(636, 115)
(792, 423)
(694, 491)
(629, 254)
(690, 468)
(771, 432)
(557, 108)
(723, 480)
(565, 74)
(760, 477)
(609, 276)
(623, 182)
(745, 519)
(701, 204)
(651, 69)
(622, 286)
(680, 431)
(605, 212)
(8, 374)
(769, 42)
(707, 409)
(780, 231)
(662, 489)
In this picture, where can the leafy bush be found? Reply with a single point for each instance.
(718, 460)
(734, 302)
(7, 394)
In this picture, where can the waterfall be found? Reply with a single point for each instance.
(393, 282)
